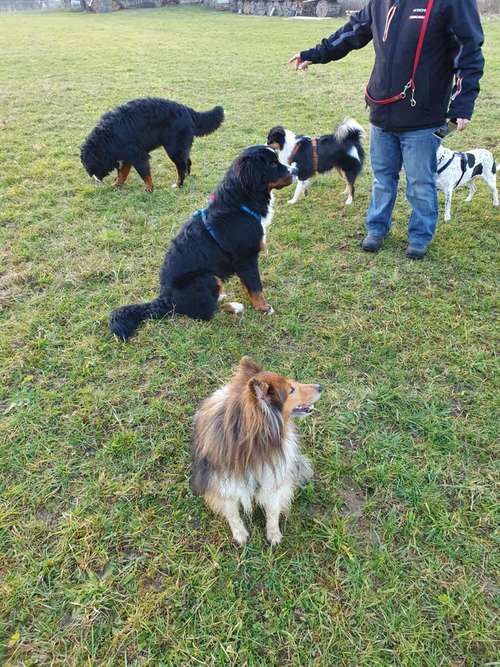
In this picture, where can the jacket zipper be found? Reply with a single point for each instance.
(388, 20)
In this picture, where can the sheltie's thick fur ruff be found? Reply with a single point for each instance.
(245, 447)
(225, 240)
(124, 137)
(341, 150)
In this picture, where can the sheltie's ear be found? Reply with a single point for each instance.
(249, 367)
(259, 389)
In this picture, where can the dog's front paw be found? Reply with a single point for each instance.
(273, 536)
(174, 185)
(233, 307)
(240, 536)
(292, 201)
(268, 310)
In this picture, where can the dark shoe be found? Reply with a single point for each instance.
(416, 251)
(372, 243)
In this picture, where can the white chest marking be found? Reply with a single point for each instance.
(286, 151)
(268, 218)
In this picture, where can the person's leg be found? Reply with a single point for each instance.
(420, 163)
(386, 161)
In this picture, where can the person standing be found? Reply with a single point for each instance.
(428, 63)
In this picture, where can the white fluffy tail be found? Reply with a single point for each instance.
(349, 129)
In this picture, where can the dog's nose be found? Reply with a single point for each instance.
(319, 388)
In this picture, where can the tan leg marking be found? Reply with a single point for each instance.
(123, 173)
(259, 303)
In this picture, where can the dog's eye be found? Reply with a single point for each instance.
(292, 389)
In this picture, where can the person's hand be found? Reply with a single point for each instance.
(299, 63)
(462, 123)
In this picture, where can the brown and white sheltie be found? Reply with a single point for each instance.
(245, 447)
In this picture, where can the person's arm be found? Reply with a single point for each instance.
(465, 25)
(353, 35)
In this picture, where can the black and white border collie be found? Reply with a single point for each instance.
(458, 169)
(124, 137)
(341, 150)
(222, 240)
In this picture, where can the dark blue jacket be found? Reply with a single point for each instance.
(451, 64)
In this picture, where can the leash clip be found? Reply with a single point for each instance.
(403, 92)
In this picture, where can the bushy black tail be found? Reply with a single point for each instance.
(206, 122)
(125, 320)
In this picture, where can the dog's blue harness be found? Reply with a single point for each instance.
(202, 212)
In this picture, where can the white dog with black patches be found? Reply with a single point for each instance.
(455, 170)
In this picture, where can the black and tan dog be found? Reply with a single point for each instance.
(124, 137)
(217, 242)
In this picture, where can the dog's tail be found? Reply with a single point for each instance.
(349, 130)
(125, 320)
(206, 122)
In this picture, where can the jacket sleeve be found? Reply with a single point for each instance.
(465, 26)
(354, 35)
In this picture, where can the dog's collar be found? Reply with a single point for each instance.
(463, 166)
(250, 212)
(202, 212)
(314, 143)
(447, 164)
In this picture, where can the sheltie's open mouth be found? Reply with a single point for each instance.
(302, 410)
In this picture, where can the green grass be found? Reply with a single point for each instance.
(106, 558)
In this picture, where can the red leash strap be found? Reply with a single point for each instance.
(420, 44)
(411, 83)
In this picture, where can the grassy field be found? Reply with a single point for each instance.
(106, 558)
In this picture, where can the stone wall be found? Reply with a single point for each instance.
(278, 7)
(261, 7)
(86, 5)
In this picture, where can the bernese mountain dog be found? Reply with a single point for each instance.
(217, 242)
(341, 150)
(124, 137)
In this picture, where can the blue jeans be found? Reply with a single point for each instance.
(389, 151)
